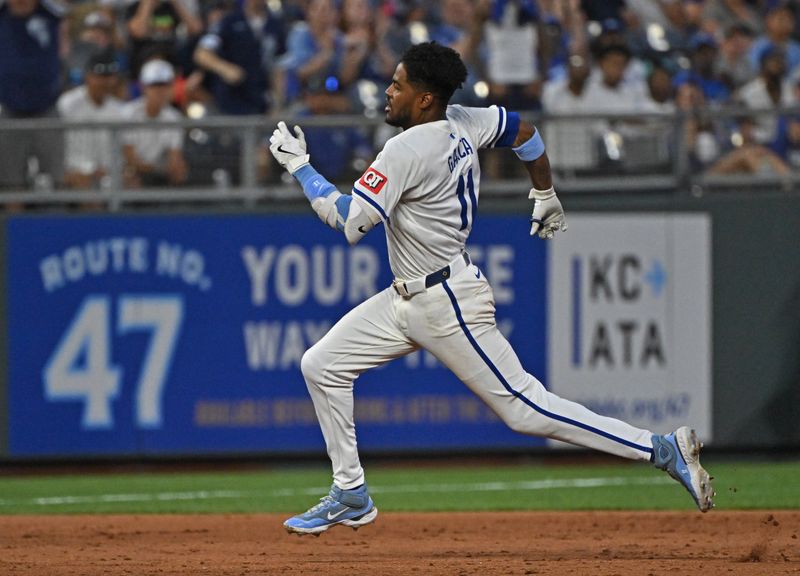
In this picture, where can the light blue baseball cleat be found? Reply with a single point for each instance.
(678, 453)
(353, 508)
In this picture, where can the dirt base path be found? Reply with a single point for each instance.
(486, 543)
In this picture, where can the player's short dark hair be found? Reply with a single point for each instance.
(436, 68)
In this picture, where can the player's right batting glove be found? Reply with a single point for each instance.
(289, 150)
(548, 215)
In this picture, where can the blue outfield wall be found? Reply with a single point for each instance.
(183, 335)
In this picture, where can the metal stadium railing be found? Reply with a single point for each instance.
(229, 166)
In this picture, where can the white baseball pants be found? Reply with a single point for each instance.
(455, 321)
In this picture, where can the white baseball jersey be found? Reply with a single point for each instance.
(425, 185)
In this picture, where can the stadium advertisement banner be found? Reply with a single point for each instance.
(184, 334)
(630, 318)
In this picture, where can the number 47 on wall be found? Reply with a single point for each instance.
(81, 367)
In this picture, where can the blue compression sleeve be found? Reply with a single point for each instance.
(314, 184)
(343, 208)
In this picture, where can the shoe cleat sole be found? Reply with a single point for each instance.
(354, 523)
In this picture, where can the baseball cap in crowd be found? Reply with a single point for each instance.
(770, 50)
(103, 63)
(701, 39)
(97, 19)
(611, 26)
(157, 72)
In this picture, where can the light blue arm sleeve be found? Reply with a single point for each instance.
(316, 186)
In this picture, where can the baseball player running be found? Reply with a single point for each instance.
(424, 188)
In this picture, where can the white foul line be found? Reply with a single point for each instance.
(287, 492)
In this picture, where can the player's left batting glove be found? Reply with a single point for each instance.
(289, 150)
(548, 215)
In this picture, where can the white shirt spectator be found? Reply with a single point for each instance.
(557, 97)
(152, 144)
(511, 49)
(569, 145)
(628, 97)
(88, 150)
(754, 95)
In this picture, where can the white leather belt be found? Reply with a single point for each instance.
(411, 287)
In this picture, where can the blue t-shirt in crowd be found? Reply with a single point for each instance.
(301, 47)
(234, 40)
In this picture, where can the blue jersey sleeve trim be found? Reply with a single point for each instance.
(372, 203)
(510, 132)
(501, 124)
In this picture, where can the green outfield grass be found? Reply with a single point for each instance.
(745, 485)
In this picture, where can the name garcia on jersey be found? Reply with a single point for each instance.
(461, 151)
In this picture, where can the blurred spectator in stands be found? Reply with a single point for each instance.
(769, 89)
(569, 145)
(154, 156)
(401, 24)
(684, 21)
(701, 138)
(314, 52)
(240, 51)
(361, 52)
(778, 31)
(619, 140)
(703, 52)
(568, 94)
(562, 32)
(610, 91)
(748, 156)
(606, 10)
(611, 33)
(721, 15)
(156, 26)
(512, 66)
(661, 90)
(733, 66)
(787, 141)
(31, 43)
(460, 27)
(346, 149)
(89, 153)
(370, 38)
(97, 34)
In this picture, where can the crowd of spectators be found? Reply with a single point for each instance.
(105, 60)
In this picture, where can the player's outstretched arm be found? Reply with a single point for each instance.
(337, 210)
(548, 215)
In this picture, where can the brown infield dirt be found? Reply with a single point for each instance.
(482, 543)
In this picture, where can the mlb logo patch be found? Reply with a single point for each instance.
(373, 180)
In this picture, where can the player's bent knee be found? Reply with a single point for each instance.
(532, 424)
(311, 365)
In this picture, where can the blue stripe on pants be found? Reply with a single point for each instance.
(519, 395)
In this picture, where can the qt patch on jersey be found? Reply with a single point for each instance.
(373, 180)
